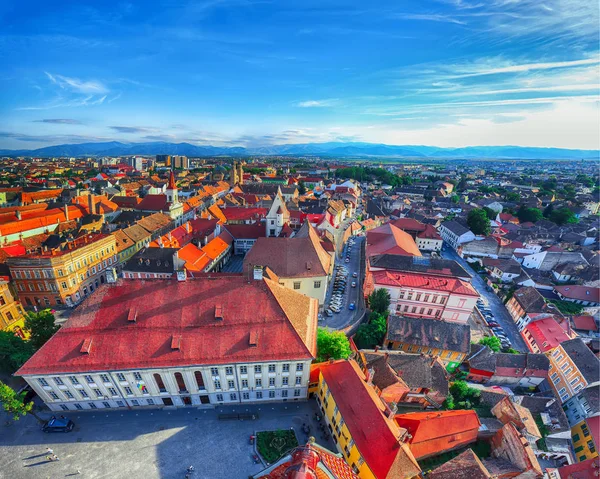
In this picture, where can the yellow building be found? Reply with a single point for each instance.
(66, 274)
(586, 438)
(361, 425)
(12, 315)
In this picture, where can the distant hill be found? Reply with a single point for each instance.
(338, 149)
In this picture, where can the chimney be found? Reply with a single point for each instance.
(66, 212)
(91, 204)
(18, 213)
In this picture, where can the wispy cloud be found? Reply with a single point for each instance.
(519, 68)
(431, 17)
(59, 121)
(317, 103)
(132, 129)
(77, 85)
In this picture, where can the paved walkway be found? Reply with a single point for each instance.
(496, 306)
(150, 443)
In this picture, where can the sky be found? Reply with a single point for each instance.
(448, 73)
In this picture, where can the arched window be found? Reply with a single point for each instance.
(159, 383)
(180, 382)
(199, 380)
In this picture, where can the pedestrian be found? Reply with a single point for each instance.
(49, 458)
(54, 457)
(49, 451)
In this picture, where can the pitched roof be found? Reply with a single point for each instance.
(546, 333)
(375, 436)
(432, 333)
(295, 257)
(455, 227)
(585, 323)
(419, 264)
(530, 299)
(464, 466)
(187, 309)
(422, 281)
(577, 292)
(392, 240)
(587, 469)
(253, 231)
(585, 360)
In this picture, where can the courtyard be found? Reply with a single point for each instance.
(159, 443)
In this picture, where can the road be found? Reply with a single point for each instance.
(496, 306)
(352, 295)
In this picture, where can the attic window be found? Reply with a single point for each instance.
(86, 346)
(132, 315)
(219, 312)
(176, 342)
(308, 265)
(253, 339)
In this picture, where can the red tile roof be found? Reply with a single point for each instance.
(587, 469)
(286, 326)
(244, 214)
(423, 281)
(585, 322)
(254, 231)
(546, 333)
(582, 293)
(375, 436)
(408, 224)
(154, 203)
(392, 240)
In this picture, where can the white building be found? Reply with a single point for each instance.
(198, 343)
(455, 234)
(277, 217)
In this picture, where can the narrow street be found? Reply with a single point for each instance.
(496, 306)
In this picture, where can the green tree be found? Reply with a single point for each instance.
(13, 351)
(478, 222)
(14, 404)
(371, 334)
(379, 301)
(529, 214)
(40, 326)
(490, 213)
(449, 402)
(301, 187)
(548, 210)
(464, 396)
(563, 216)
(332, 345)
(491, 342)
(455, 199)
(512, 197)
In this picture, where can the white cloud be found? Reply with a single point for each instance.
(317, 103)
(526, 67)
(77, 85)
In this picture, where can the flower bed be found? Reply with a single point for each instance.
(271, 445)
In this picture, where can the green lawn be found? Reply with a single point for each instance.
(272, 445)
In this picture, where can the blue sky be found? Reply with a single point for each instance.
(257, 72)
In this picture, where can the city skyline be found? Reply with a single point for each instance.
(250, 73)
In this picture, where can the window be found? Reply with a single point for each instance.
(284, 393)
(409, 296)
(271, 382)
(296, 392)
(317, 284)
(104, 378)
(414, 309)
(259, 383)
(285, 368)
(63, 407)
(257, 369)
(258, 394)
(106, 404)
(120, 376)
(98, 393)
(43, 382)
(296, 284)
(220, 397)
(426, 298)
(233, 397)
(284, 380)
(449, 355)
(137, 376)
(591, 446)
(246, 396)
(58, 381)
(422, 310)
(214, 371)
(150, 402)
(180, 382)
(244, 383)
(434, 299)
(406, 308)
(135, 402)
(229, 371)
(78, 406)
(401, 296)
(217, 383)
(576, 438)
(128, 391)
(271, 368)
(243, 369)
(83, 394)
(562, 391)
(271, 394)
(298, 380)
(231, 384)
(112, 391)
(300, 367)
(442, 300)
(429, 312)
(199, 379)
(92, 405)
(69, 395)
(418, 297)
(53, 395)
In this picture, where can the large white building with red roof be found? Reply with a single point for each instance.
(200, 342)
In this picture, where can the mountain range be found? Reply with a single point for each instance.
(333, 149)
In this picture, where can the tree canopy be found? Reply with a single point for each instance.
(491, 342)
(563, 216)
(379, 174)
(14, 351)
(40, 326)
(332, 345)
(301, 187)
(13, 403)
(529, 214)
(478, 222)
(371, 334)
(379, 301)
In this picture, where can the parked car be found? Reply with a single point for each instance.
(347, 260)
(61, 424)
(328, 312)
(355, 275)
(351, 306)
(353, 284)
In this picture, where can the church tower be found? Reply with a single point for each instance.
(171, 191)
(240, 175)
(233, 179)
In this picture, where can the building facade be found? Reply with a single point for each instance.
(64, 276)
(12, 315)
(586, 438)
